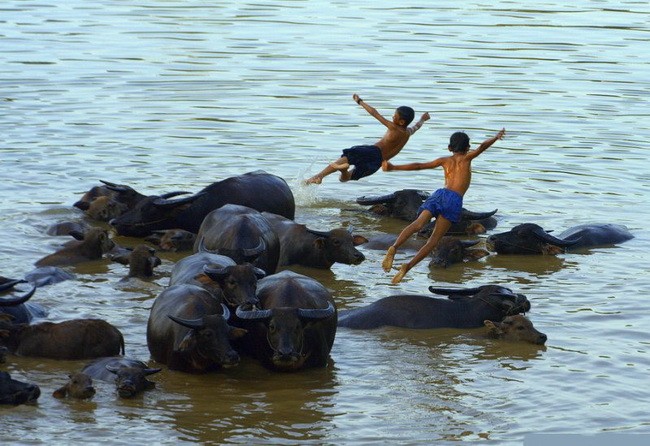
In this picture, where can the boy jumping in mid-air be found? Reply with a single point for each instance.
(367, 159)
(444, 204)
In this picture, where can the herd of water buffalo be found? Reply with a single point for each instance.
(231, 295)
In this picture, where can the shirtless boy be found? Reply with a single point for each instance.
(444, 204)
(367, 159)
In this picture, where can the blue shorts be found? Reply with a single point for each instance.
(365, 159)
(444, 202)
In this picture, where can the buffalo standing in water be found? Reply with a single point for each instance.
(463, 308)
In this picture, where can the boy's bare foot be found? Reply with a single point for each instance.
(387, 263)
(342, 166)
(400, 275)
(313, 180)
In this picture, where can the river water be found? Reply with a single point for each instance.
(167, 94)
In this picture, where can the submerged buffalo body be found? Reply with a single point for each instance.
(73, 339)
(221, 276)
(241, 233)
(258, 190)
(129, 375)
(530, 238)
(188, 330)
(317, 249)
(464, 308)
(296, 325)
(91, 245)
(16, 392)
(404, 204)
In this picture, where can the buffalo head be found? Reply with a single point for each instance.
(15, 392)
(515, 328)
(452, 250)
(210, 337)
(527, 238)
(285, 331)
(79, 386)
(130, 381)
(238, 283)
(338, 245)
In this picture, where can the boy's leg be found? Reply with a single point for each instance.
(417, 224)
(439, 230)
(318, 178)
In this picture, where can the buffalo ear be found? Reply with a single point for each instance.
(60, 392)
(236, 332)
(359, 240)
(319, 243)
(494, 328)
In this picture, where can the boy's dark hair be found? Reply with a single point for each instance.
(406, 113)
(459, 142)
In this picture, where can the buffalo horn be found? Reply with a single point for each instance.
(252, 315)
(318, 233)
(364, 201)
(458, 291)
(114, 369)
(218, 273)
(316, 313)
(11, 283)
(116, 187)
(194, 324)
(544, 236)
(256, 251)
(469, 243)
(174, 194)
(469, 215)
(149, 371)
(17, 300)
(162, 202)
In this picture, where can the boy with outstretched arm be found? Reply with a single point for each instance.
(367, 159)
(444, 204)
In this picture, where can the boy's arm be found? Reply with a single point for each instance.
(414, 128)
(387, 166)
(371, 110)
(486, 144)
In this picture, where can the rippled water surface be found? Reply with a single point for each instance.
(166, 95)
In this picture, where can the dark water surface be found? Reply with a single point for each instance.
(166, 95)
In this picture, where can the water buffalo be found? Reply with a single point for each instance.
(17, 307)
(3, 354)
(530, 238)
(129, 375)
(73, 339)
(173, 240)
(236, 284)
(517, 328)
(258, 190)
(91, 245)
(142, 261)
(241, 233)
(464, 308)
(404, 204)
(79, 385)
(317, 249)
(16, 392)
(188, 330)
(296, 324)
(449, 250)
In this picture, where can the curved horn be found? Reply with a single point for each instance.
(252, 315)
(17, 300)
(469, 243)
(226, 312)
(202, 247)
(316, 313)
(469, 215)
(254, 252)
(116, 187)
(460, 291)
(194, 324)
(10, 283)
(548, 238)
(112, 368)
(216, 272)
(376, 199)
(148, 371)
(162, 202)
(318, 233)
(174, 194)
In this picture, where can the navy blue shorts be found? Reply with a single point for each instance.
(444, 202)
(365, 159)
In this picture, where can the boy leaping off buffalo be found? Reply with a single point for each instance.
(367, 159)
(444, 204)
